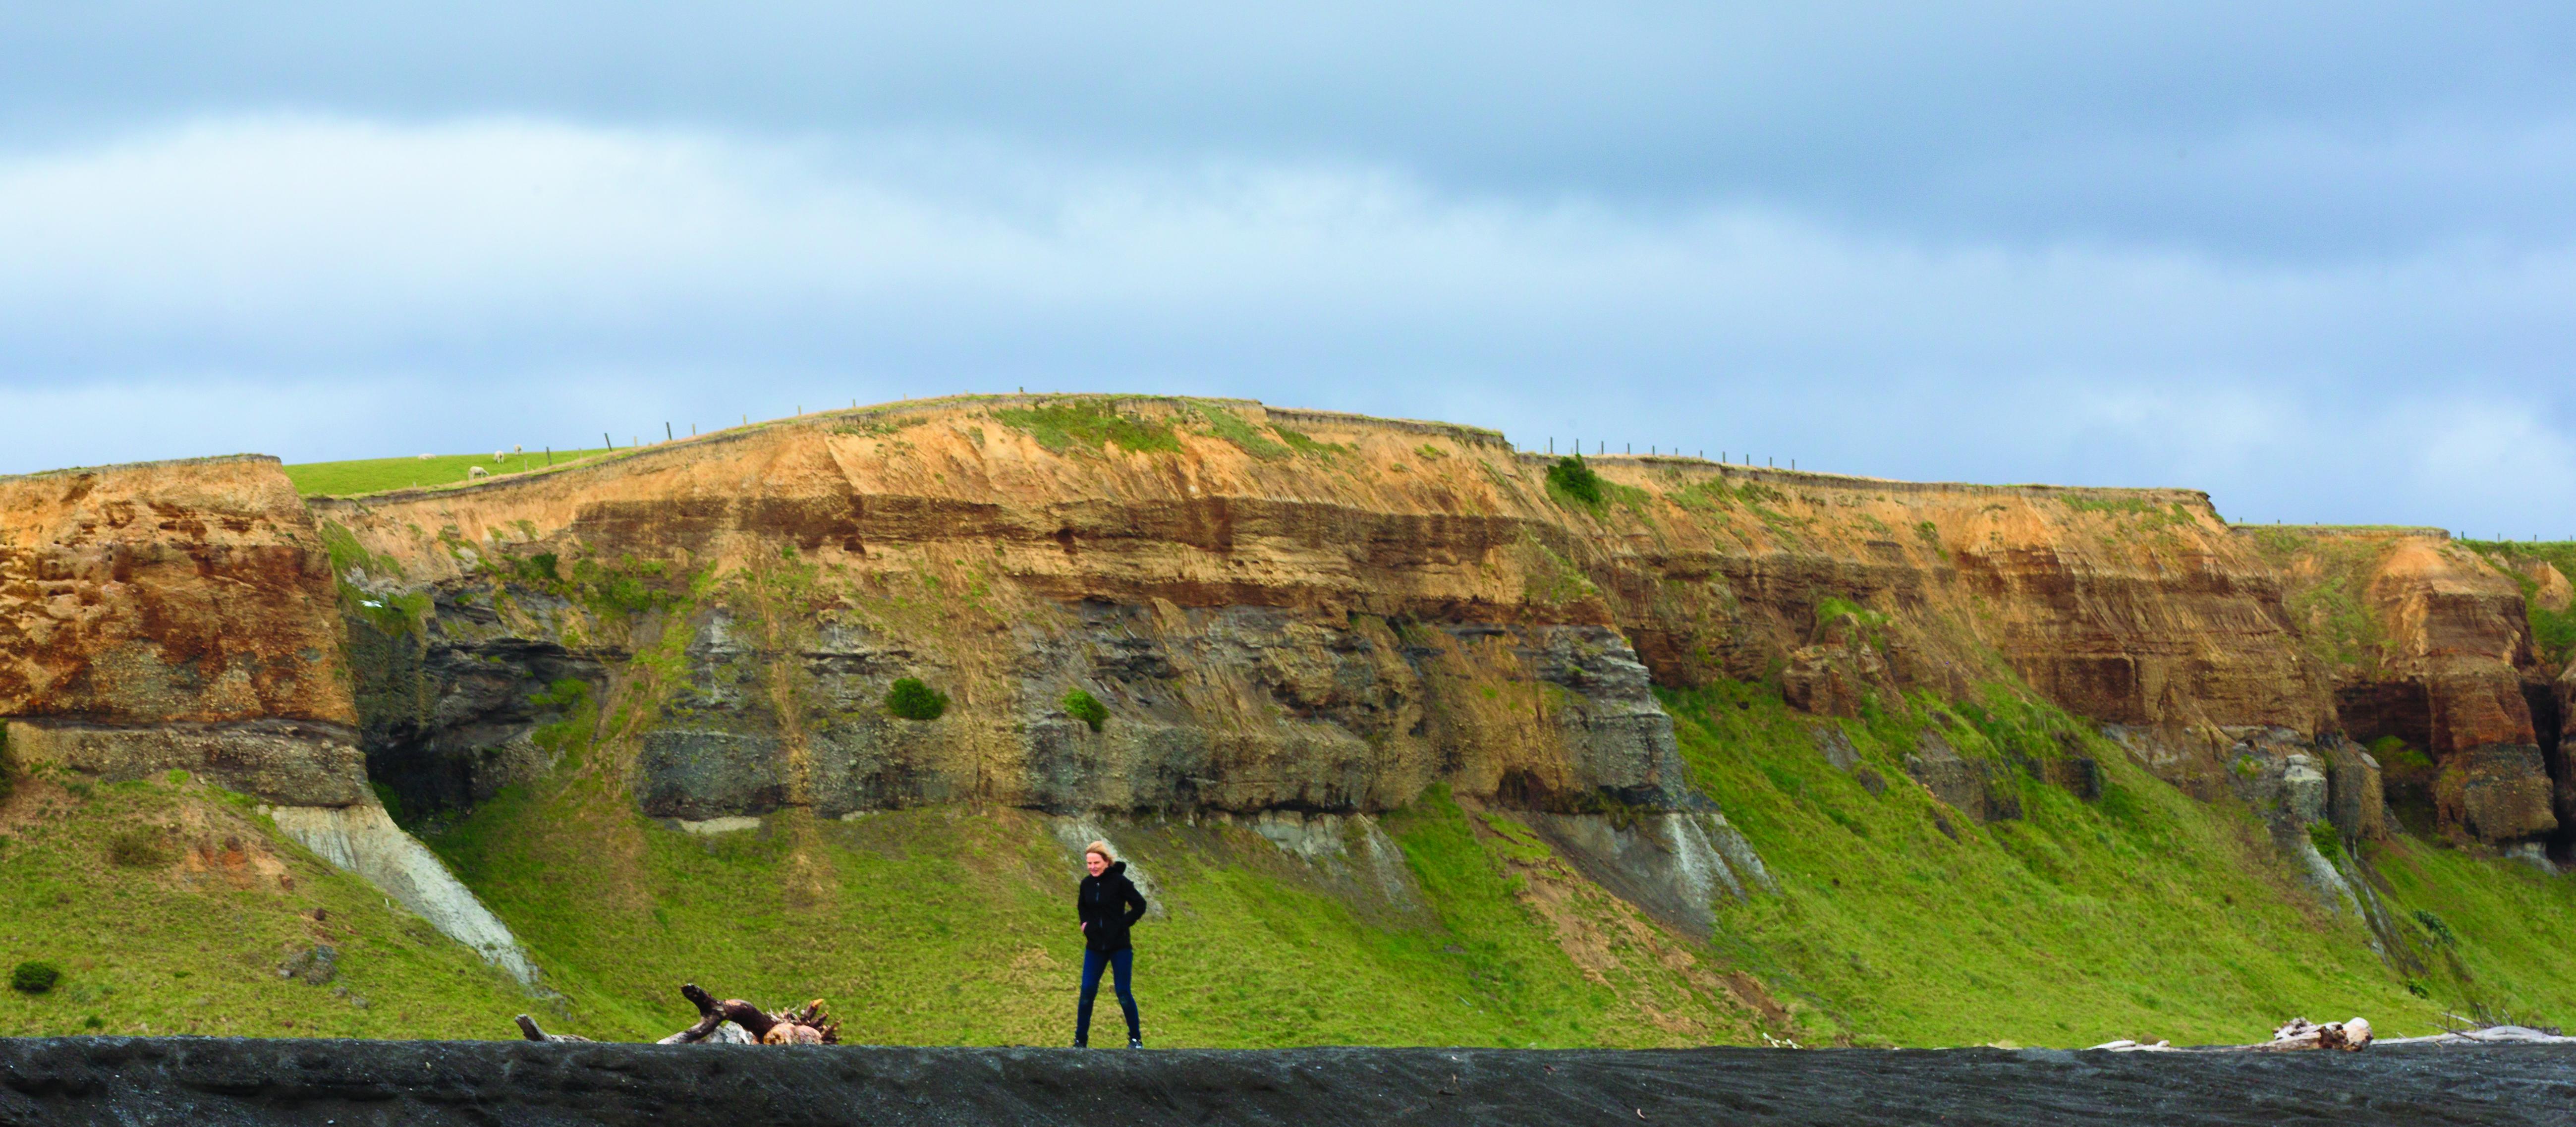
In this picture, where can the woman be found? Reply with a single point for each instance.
(1108, 905)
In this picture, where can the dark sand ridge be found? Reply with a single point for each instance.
(213, 1082)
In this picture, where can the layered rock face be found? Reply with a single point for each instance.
(1273, 611)
(1328, 631)
(172, 615)
(1277, 610)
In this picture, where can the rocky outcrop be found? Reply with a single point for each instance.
(2428, 643)
(182, 616)
(170, 615)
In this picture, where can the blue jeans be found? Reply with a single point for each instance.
(1123, 962)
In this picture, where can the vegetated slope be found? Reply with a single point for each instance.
(170, 907)
(371, 475)
(2142, 913)
(955, 925)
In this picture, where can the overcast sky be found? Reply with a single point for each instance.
(2316, 258)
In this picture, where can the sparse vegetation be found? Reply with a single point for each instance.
(1089, 424)
(1299, 442)
(139, 847)
(2553, 632)
(2115, 506)
(912, 700)
(2326, 597)
(1227, 425)
(1083, 706)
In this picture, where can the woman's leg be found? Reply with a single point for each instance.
(1092, 961)
(1124, 962)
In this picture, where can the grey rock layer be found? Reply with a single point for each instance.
(296, 762)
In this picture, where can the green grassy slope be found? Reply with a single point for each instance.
(169, 907)
(2143, 914)
(950, 926)
(2140, 914)
(369, 475)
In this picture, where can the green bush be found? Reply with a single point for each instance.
(1574, 479)
(143, 847)
(2326, 838)
(1087, 708)
(912, 700)
(2433, 926)
(32, 977)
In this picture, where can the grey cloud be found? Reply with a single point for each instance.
(327, 287)
(1995, 119)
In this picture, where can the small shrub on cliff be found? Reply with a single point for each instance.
(142, 847)
(1572, 479)
(2433, 926)
(32, 977)
(2324, 836)
(1087, 708)
(912, 700)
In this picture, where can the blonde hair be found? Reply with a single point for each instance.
(1101, 848)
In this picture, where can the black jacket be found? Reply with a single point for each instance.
(1108, 905)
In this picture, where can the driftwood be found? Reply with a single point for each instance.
(732, 1021)
(2298, 1034)
(528, 1029)
(2487, 1035)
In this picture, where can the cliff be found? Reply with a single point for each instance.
(1311, 611)
(1671, 705)
(1331, 620)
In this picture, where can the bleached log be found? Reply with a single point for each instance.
(2301, 1034)
(528, 1029)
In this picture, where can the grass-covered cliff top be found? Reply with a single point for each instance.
(373, 475)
